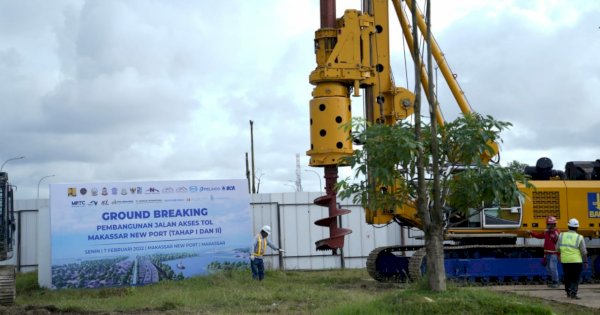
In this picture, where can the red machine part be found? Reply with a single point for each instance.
(336, 233)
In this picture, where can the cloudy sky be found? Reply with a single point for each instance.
(164, 89)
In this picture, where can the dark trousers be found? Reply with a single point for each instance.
(572, 273)
(258, 268)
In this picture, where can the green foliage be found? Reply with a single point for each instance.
(488, 185)
(348, 291)
(466, 139)
(27, 283)
(517, 166)
(386, 154)
(452, 301)
(386, 164)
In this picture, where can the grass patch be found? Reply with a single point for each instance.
(26, 283)
(294, 292)
(452, 301)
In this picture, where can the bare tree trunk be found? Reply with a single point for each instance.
(436, 274)
(435, 241)
(430, 216)
(421, 187)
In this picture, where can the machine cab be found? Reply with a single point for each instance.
(490, 217)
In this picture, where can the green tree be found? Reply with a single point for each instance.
(517, 166)
(386, 173)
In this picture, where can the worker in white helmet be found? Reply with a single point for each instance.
(258, 250)
(573, 256)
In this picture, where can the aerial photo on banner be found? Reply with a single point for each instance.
(137, 233)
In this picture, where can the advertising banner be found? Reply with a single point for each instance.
(136, 233)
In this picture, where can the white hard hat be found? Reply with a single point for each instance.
(266, 229)
(573, 223)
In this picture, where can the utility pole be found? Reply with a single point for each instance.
(252, 155)
(248, 174)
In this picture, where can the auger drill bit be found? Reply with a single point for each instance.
(336, 234)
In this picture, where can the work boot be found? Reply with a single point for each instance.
(554, 285)
(575, 297)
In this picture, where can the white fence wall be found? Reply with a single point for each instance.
(26, 251)
(290, 215)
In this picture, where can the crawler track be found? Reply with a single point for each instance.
(7, 285)
(483, 264)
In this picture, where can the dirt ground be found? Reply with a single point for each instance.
(16, 309)
(21, 310)
(589, 293)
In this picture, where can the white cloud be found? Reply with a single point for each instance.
(139, 90)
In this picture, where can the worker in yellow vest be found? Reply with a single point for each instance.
(258, 250)
(573, 256)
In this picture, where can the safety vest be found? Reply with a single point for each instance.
(568, 245)
(260, 245)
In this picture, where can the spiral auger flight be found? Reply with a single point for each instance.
(336, 233)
